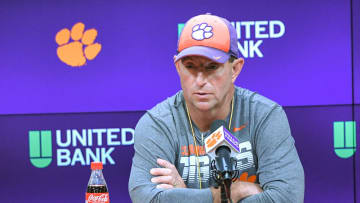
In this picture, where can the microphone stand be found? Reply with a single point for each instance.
(224, 181)
(224, 198)
(224, 169)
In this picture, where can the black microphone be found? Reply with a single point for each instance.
(222, 147)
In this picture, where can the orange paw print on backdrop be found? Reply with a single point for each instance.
(213, 139)
(73, 53)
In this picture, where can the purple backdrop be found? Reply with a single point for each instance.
(24, 182)
(328, 178)
(309, 65)
(356, 50)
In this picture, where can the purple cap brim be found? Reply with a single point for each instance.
(208, 52)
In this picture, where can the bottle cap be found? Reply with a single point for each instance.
(96, 166)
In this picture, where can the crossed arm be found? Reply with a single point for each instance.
(168, 177)
(280, 173)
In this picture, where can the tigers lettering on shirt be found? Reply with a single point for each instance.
(188, 164)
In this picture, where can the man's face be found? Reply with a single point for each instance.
(205, 83)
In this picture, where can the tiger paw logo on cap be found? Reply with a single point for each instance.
(201, 31)
(209, 36)
(205, 30)
(73, 53)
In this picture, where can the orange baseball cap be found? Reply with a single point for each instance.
(210, 36)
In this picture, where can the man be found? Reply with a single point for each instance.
(170, 163)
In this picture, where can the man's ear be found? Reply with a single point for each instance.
(176, 63)
(237, 66)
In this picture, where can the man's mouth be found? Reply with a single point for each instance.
(202, 95)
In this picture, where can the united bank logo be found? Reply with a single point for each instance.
(40, 148)
(73, 53)
(251, 35)
(77, 147)
(344, 138)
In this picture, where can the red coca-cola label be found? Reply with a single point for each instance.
(97, 198)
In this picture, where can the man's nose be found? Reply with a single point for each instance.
(201, 79)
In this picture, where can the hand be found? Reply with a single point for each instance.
(239, 190)
(167, 177)
(242, 189)
(216, 194)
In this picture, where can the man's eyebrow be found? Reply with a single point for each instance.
(186, 58)
(212, 63)
(201, 63)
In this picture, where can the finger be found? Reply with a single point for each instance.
(164, 186)
(162, 179)
(165, 163)
(160, 171)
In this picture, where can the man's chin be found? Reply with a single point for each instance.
(203, 106)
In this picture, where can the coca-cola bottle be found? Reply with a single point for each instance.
(97, 191)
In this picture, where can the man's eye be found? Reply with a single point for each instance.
(212, 67)
(189, 66)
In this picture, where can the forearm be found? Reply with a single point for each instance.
(268, 196)
(239, 191)
(184, 195)
(143, 191)
(242, 190)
